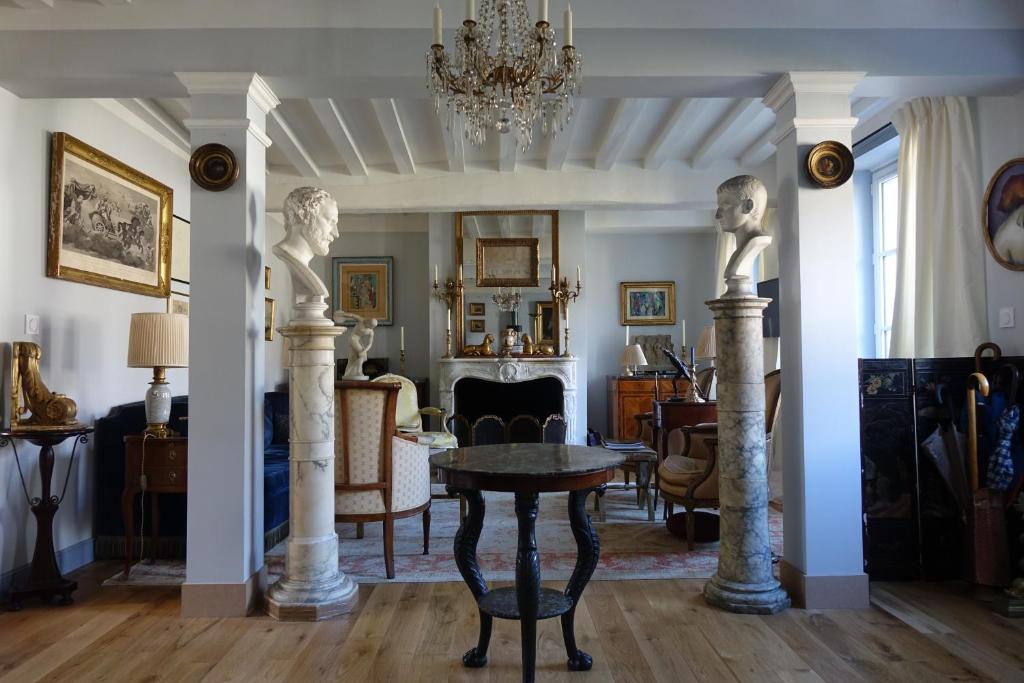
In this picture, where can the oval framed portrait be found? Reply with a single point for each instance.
(1002, 215)
(829, 164)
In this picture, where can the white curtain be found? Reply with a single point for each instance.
(940, 272)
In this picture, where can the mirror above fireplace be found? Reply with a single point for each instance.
(506, 259)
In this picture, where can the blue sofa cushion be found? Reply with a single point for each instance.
(275, 403)
(275, 492)
(276, 452)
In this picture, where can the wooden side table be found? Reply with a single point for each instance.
(153, 466)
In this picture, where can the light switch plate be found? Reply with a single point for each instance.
(31, 323)
(1006, 317)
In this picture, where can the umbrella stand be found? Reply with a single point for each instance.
(986, 518)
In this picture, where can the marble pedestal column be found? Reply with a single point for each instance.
(744, 581)
(313, 587)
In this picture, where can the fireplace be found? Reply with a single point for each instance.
(510, 386)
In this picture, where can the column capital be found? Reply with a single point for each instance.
(246, 83)
(811, 83)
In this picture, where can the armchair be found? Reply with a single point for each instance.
(408, 416)
(379, 475)
(691, 479)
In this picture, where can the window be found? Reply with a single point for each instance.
(885, 198)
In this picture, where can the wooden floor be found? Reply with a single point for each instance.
(635, 630)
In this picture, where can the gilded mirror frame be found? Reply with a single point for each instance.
(459, 341)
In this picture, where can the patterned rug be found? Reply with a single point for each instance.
(631, 546)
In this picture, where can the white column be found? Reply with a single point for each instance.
(823, 552)
(224, 570)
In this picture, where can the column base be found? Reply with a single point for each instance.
(746, 598)
(298, 601)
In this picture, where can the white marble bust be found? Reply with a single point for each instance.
(311, 224)
(741, 204)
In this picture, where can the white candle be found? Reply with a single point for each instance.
(435, 273)
(552, 273)
(401, 338)
(437, 24)
(448, 325)
(568, 24)
(567, 315)
(682, 339)
(460, 272)
(578, 272)
(542, 12)
(471, 10)
(627, 335)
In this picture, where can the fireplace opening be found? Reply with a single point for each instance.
(539, 397)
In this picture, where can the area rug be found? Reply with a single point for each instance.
(631, 546)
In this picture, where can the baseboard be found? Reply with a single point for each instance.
(224, 599)
(824, 592)
(68, 559)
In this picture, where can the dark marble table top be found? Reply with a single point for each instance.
(527, 460)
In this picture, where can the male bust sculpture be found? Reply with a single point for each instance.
(741, 204)
(311, 224)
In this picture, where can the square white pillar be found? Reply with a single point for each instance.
(823, 550)
(224, 569)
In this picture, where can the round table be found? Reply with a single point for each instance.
(527, 470)
(45, 580)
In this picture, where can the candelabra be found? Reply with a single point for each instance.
(563, 294)
(401, 362)
(449, 296)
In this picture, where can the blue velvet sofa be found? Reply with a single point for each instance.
(109, 452)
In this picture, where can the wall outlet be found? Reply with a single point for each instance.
(31, 323)
(1006, 317)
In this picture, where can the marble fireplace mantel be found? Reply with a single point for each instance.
(507, 371)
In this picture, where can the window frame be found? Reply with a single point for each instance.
(879, 176)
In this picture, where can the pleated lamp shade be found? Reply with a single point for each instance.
(158, 340)
(706, 345)
(633, 355)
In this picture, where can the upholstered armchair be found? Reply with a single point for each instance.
(409, 415)
(691, 479)
(380, 475)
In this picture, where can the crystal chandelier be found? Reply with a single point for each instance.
(506, 74)
(507, 299)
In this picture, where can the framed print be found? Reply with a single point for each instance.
(647, 303)
(476, 325)
(507, 262)
(1003, 215)
(362, 286)
(269, 311)
(180, 255)
(266, 277)
(547, 324)
(477, 308)
(177, 303)
(110, 225)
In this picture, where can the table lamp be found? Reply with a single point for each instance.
(706, 345)
(633, 356)
(158, 341)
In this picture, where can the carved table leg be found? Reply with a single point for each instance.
(465, 558)
(587, 548)
(528, 579)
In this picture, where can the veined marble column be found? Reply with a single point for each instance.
(744, 581)
(313, 587)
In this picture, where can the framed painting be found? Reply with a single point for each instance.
(547, 324)
(477, 308)
(476, 325)
(363, 286)
(647, 303)
(178, 303)
(1003, 215)
(110, 225)
(507, 262)
(269, 312)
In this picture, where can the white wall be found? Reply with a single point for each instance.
(1000, 123)
(84, 331)
(688, 259)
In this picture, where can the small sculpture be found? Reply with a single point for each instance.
(48, 409)
(311, 224)
(545, 350)
(741, 204)
(528, 348)
(359, 343)
(508, 341)
(483, 349)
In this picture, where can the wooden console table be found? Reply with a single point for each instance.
(153, 466)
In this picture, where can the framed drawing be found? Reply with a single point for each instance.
(476, 325)
(507, 262)
(180, 255)
(647, 303)
(177, 303)
(269, 309)
(362, 286)
(1003, 215)
(547, 324)
(477, 308)
(110, 225)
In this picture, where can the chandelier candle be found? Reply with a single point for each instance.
(437, 25)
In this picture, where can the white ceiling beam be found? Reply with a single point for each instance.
(114, 2)
(508, 153)
(34, 4)
(286, 139)
(165, 124)
(627, 112)
(558, 144)
(334, 125)
(454, 144)
(740, 115)
(394, 133)
(864, 108)
(759, 150)
(683, 111)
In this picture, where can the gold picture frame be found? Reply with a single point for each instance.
(507, 262)
(110, 225)
(647, 303)
(178, 302)
(1001, 213)
(363, 286)
(547, 320)
(269, 311)
(477, 325)
(266, 277)
(477, 308)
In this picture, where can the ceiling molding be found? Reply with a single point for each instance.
(391, 126)
(230, 124)
(805, 123)
(627, 112)
(740, 115)
(34, 4)
(288, 142)
(131, 116)
(246, 83)
(811, 82)
(338, 131)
